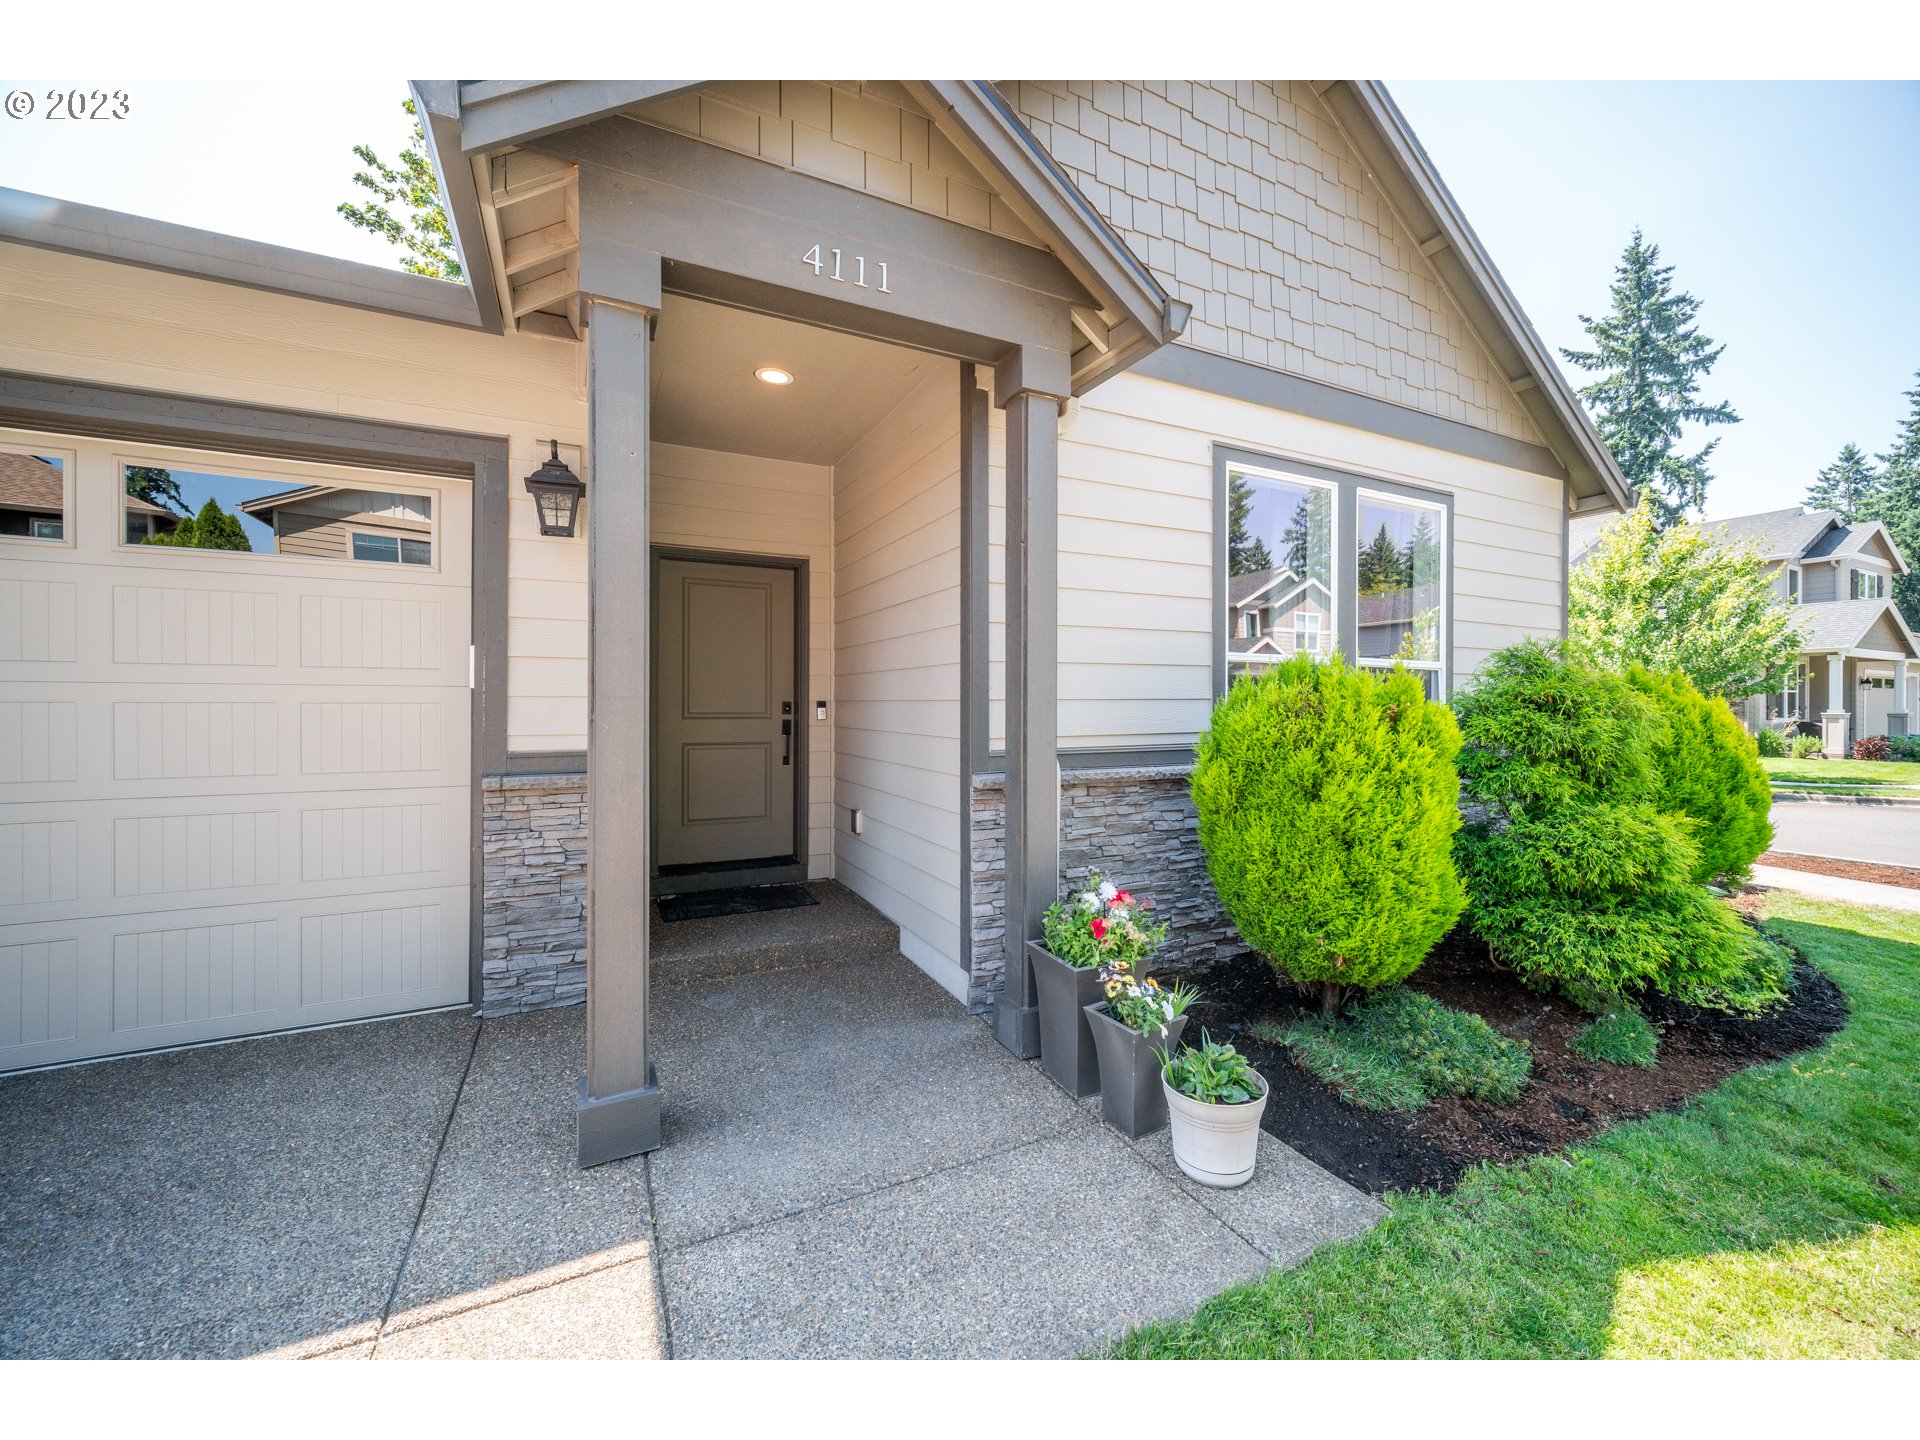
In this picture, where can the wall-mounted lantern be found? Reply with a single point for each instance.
(556, 492)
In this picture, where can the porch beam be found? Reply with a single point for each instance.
(619, 1096)
(1030, 385)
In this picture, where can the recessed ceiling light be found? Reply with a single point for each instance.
(774, 375)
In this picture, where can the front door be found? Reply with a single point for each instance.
(725, 747)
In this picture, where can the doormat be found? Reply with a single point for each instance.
(749, 900)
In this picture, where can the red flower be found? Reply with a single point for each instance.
(1099, 928)
(1123, 898)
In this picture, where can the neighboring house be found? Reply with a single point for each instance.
(1857, 675)
(939, 617)
(32, 497)
(326, 522)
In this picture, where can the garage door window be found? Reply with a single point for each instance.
(34, 495)
(178, 506)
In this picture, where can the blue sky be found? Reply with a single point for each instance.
(1791, 210)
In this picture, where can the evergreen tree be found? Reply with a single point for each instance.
(1308, 537)
(212, 529)
(1845, 486)
(1380, 564)
(1895, 503)
(1422, 556)
(1651, 358)
(424, 232)
(156, 487)
(1246, 553)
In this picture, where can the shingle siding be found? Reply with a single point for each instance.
(1245, 200)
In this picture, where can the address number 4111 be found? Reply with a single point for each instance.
(834, 268)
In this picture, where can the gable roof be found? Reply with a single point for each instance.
(1853, 539)
(1777, 534)
(1846, 625)
(1400, 168)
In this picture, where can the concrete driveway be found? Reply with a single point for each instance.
(852, 1167)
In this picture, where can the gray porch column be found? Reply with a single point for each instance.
(1030, 386)
(1899, 719)
(619, 1101)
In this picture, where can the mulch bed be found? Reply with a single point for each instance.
(1567, 1100)
(1900, 875)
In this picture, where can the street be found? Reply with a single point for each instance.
(1886, 834)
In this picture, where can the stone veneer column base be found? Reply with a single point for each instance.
(533, 903)
(1137, 825)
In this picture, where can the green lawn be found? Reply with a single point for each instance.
(1777, 1215)
(1843, 772)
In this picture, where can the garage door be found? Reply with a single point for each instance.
(234, 783)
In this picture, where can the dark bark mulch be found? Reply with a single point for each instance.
(1567, 1100)
(1903, 876)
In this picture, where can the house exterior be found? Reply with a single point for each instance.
(338, 523)
(1857, 674)
(908, 413)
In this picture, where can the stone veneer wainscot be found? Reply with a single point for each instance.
(1136, 825)
(533, 907)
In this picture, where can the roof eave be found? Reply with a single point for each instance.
(436, 104)
(1414, 190)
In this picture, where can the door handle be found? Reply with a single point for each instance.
(786, 735)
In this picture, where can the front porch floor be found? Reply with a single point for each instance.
(852, 1167)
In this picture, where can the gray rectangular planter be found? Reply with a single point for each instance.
(1131, 1096)
(1066, 1044)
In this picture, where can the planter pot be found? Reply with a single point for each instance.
(1131, 1095)
(1066, 1043)
(1215, 1144)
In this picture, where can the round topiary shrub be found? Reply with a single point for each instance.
(1578, 878)
(1709, 771)
(1328, 801)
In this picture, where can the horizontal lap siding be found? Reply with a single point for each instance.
(743, 504)
(81, 319)
(1136, 544)
(896, 611)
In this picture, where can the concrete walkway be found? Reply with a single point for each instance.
(852, 1167)
(1835, 887)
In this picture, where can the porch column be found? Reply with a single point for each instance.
(1030, 386)
(619, 1100)
(1833, 720)
(1900, 718)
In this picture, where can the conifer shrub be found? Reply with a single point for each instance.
(1578, 879)
(1622, 1036)
(1709, 771)
(1328, 801)
(1401, 1050)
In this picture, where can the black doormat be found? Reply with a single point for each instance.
(750, 900)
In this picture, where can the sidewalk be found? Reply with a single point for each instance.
(1832, 887)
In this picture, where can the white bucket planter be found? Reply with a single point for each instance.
(1216, 1144)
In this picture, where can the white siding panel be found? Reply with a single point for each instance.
(897, 615)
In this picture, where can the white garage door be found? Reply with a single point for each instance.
(234, 788)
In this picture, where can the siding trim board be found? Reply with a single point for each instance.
(118, 412)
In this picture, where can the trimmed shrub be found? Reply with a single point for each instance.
(1805, 747)
(1771, 744)
(1872, 747)
(1622, 1036)
(1578, 879)
(1709, 769)
(1401, 1050)
(1328, 801)
(1904, 747)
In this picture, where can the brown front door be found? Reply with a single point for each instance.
(725, 706)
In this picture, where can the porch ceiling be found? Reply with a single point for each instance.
(705, 393)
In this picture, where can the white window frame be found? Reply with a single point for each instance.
(43, 446)
(1311, 631)
(36, 529)
(1281, 475)
(1793, 582)
(1858, 580)
(1443, 627)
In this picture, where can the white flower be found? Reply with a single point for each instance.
(1089, 900)
(1107, 891)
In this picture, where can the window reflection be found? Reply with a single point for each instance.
(1279, 570)
(33, 496)
(1400, 582)
(206, 510)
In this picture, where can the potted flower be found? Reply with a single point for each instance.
(1096, 926)
(1214, 1099)
(1136, 1021)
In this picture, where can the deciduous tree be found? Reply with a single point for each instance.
(421, 228)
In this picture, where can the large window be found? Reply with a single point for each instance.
(1318, 562)
(1279, 568)
(1402, 585)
